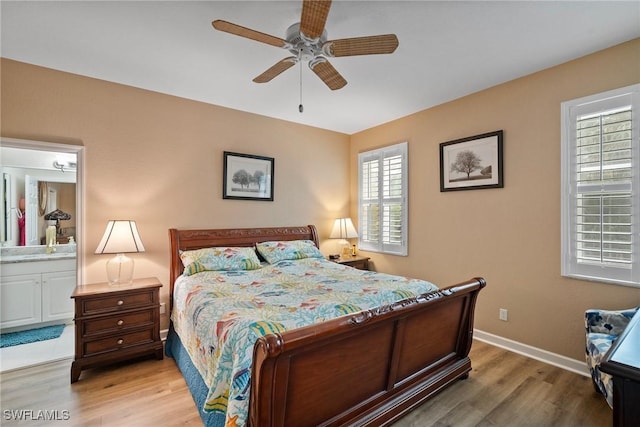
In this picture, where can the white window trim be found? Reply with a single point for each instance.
(381, 153)
(627, 276)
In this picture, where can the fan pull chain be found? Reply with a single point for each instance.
(300, 107)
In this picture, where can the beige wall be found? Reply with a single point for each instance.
(158, 159)
(511, 236)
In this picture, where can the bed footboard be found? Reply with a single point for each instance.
(369, 368)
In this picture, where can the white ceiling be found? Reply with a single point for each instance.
(447, 49)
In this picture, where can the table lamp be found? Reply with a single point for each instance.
(343, 229)
(120, 237)
(57, 216)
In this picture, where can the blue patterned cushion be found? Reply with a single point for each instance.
(603, 328)
(219, 258)
(610, 322)
(273, 252)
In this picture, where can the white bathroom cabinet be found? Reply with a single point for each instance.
(36, 292)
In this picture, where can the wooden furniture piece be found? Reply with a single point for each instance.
(115, 323)
(355, 261)
(392, 357)
(622, 362)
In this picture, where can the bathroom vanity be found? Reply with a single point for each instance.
(36, 287)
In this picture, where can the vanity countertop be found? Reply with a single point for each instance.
(36, 257)
(36, 253)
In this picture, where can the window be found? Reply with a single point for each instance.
(601, 187)
(382, 200)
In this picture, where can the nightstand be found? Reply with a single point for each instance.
(116, 323)
(355, 261)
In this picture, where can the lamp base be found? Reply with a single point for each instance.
(346, 249)
(120, 270)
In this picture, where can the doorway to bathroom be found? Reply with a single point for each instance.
(41, 188)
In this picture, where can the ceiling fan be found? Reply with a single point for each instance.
(307, 41)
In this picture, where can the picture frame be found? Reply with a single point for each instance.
(247, 177)
(472, 163)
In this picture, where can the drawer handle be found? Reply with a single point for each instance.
(120, 341)
(120, 322)
(120, 302)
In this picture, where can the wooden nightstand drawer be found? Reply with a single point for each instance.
(120, 322)
(117, 342)
(116, 303)
(356, 261)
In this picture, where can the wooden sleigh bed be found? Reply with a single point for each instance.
(368, 368)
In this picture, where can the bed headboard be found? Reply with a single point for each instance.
(183, 240)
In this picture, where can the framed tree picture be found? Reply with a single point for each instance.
(472, 163)
(247, 177)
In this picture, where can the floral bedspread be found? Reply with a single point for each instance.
(219, 315)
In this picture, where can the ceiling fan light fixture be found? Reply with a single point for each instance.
(307, 41)
(302, 46)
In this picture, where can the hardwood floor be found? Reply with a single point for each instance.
(504, 389)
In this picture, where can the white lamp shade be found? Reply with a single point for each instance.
(343, 229)
(120, 236)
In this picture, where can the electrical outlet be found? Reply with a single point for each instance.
(162, 308)
(504, 314)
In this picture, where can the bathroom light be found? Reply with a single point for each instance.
(120, 237)
(65, 165)
(343, 229)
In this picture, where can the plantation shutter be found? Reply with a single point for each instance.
(369, 222)
(600, 239)
(382, 216)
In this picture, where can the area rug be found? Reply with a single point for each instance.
(32, 335)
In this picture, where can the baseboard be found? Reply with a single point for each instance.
(575, 366)
(163, 334)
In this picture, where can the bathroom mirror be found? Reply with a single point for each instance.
(34, 183)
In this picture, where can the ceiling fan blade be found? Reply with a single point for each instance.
(368, 45)
(327, 73)
(238, 30)
(314, 17)
(276, 70)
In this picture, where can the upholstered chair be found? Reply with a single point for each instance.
(603, 327)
